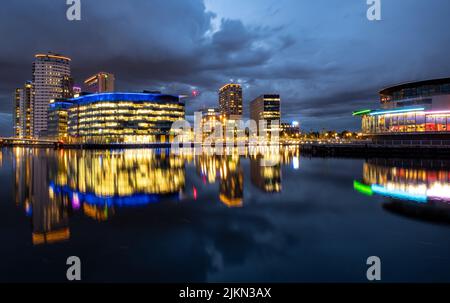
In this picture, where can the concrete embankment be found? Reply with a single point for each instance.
(374, 150)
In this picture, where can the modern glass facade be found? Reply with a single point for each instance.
(409, 122)
(58, 119)
(133, 118)
(422, 89)
(421, 107)
(267, 108)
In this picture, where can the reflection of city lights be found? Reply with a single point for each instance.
(408, 184)
(439, 191)
(28, 209)
(295, 162)
(362, 188)
(75, 201)
(398, 194)
(51, 193)
(195, 193)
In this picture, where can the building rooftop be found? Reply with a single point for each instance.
(391, 89)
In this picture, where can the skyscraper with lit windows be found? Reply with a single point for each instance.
(267, 108)
(51, 80)
(230, 101)
(17, 114)
(22, 110)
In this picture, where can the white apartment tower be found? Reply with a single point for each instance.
(51, 75)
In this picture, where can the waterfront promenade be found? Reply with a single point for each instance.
(355, 148)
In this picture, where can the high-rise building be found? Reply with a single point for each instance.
(267, 108)
(17, 114)
(230, 101)
(51, 75)
(22, 110)
(68, 87)
(100, 83)
(25, 109)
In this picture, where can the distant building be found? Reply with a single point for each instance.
(17, 114)
(76, 91)
(58, 118)
(25, 109)
(22, 110)
(100, 83)
(210, 117)
(290, 129)
(230, 101)
(267, 108)
(67, 87)
(417, 110)
(51, 75)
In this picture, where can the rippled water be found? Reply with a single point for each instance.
(148, 216)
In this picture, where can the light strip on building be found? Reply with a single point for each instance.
(397, 111)
(52, 56)
(444, 112)
(361, 112)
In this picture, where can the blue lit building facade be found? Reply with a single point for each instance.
(58, 119)
(420, 109)
(132, 118)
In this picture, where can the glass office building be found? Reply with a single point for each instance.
(58, 119)
(411, 108)
(133, 118)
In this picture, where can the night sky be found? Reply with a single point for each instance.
(323, 56)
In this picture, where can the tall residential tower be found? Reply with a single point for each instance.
(230, 101)
(51, 77)
(267, 108)
(22, 110)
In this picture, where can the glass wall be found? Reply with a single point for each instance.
(425, 90)
(124, 121)
(406, 123)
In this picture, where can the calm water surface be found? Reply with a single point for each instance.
(148, 216)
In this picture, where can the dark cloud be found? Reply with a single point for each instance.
(325, 61)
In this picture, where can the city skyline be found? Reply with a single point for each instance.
(300, 51)
(217, 150)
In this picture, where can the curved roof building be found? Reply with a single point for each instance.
(411, 108)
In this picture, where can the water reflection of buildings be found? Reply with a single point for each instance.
(50, 185)
(231, 183)
(426, 182)
(228, 171)
(265, 177)
(103, 180)
(49, 213)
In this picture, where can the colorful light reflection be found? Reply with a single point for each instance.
(398, 194)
